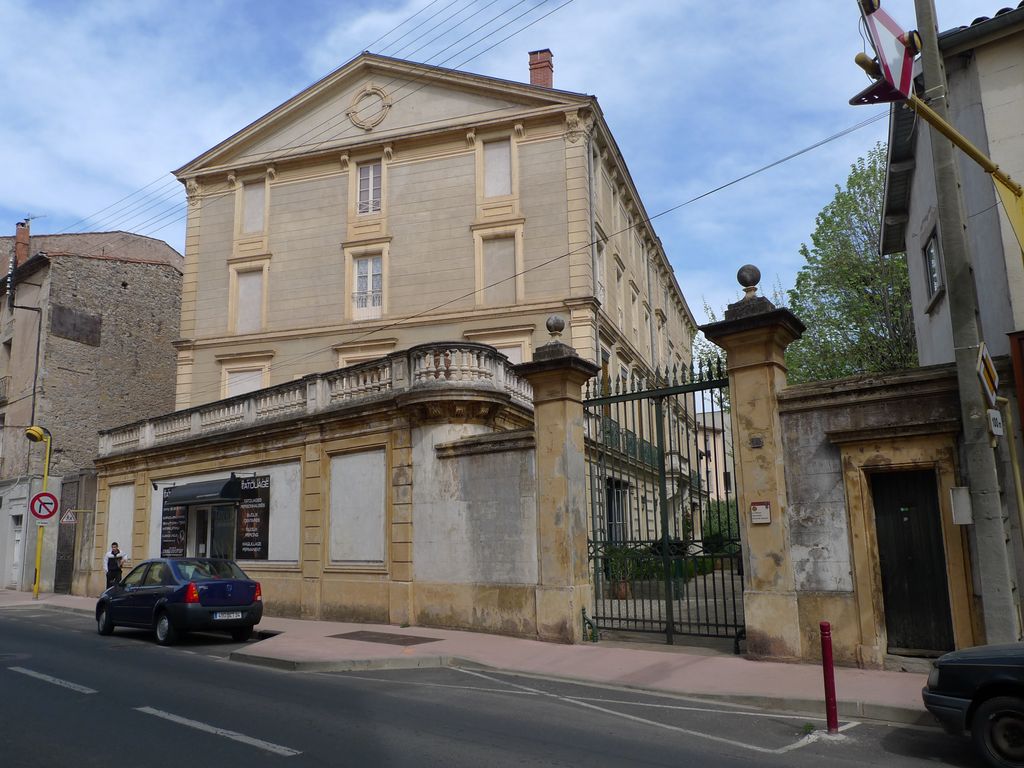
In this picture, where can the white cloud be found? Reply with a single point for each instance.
(106, 96)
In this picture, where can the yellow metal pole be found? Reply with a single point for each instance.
(1010, 192)
(951, 133)
(41, 527)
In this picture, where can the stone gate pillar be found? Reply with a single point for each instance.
(755, 335)
(557, 375)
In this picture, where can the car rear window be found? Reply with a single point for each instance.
(207, 570)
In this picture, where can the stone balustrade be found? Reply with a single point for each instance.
(440, 366)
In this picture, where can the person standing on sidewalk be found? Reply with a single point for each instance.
(112, 561)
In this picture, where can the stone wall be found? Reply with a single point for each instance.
(108, 355)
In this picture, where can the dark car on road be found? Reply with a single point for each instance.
(172, 596)
(981, 690)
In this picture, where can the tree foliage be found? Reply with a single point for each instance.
(854, 301)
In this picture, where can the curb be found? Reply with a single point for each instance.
(858, 710)
(343, 665)
(850, 710)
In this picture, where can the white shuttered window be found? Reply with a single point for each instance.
(369, 187)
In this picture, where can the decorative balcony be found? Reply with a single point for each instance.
(427, 370)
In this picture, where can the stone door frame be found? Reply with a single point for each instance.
(863, 457)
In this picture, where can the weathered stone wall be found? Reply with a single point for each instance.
(119, 364)
(475, 506)
(815, 418)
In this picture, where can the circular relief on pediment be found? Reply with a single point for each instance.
(369, 107)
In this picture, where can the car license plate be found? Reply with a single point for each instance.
(227, 615)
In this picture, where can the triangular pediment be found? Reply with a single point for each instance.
(374, 98)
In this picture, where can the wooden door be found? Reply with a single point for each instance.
(913, 563)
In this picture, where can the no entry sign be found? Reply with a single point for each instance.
(43, 505)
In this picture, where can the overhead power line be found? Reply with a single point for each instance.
(366, 334)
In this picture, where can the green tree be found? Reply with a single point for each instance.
(854, 301)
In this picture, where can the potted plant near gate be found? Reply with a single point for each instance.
(619, 563)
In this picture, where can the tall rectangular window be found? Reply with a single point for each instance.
(368, 293)
(620, 298)
(369, 187)
(634, 313)
(932, 265)
(497, 168)
(249, 301)
(499, 271)
(253, 201)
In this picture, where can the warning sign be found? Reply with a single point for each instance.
(69, 517)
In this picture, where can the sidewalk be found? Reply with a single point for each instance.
(295, 644)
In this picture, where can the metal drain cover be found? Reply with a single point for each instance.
(386, 637)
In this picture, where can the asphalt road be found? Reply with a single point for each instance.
(69, 697)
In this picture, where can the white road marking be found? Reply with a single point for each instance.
(711, 710)
(53, 680)
(810, 738)
(267, 746)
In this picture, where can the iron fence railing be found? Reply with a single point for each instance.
(664, 544)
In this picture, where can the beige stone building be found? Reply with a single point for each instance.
(364, 267)
(392, 204)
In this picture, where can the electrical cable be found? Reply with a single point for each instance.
(365, 334)
(435, 75)
(175, 181)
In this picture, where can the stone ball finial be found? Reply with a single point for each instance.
(748, 276)
(555, 326)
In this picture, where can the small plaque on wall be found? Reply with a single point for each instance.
(760, 512)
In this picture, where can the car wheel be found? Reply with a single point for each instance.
(166, 634)
(997, 729)
(103, 623)
(241, 634)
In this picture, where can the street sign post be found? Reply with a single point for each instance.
(43, 506)
(988, 375)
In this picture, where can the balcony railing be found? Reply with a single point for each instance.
(437, 367)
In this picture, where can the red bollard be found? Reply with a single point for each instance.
(829, 672)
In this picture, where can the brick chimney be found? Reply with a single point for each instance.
(542, 71)
(20, 243)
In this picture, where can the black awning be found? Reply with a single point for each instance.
(205, 492)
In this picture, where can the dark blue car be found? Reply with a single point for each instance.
(172, 596)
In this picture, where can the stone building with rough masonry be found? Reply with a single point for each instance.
(366, 268)
(85, 344)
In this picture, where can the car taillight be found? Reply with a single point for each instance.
(259, 592)
(192, 593)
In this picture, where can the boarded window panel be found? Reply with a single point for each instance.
(120, 517)
(499, 271)
(513, 352)
(244, 381)
(254, 195)
(249, 301)
(359, 507)
(497, 168)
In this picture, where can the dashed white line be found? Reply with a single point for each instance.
(53, 680)
(267, 746)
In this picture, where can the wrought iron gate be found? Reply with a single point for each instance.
(664, 530)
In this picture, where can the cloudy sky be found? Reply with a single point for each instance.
(104, 98)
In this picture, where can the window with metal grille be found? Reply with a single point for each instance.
(368, 296)
(369, 187)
